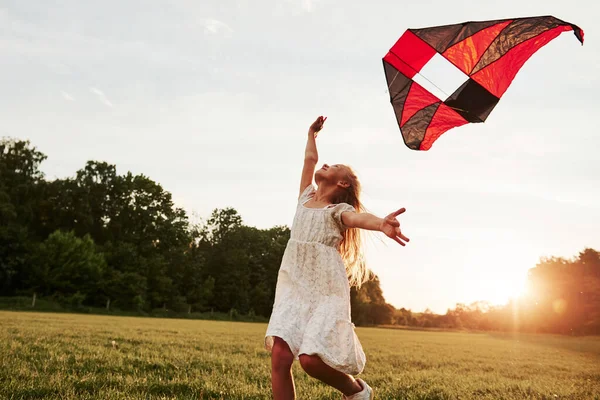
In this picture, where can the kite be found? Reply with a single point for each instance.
(489, 54)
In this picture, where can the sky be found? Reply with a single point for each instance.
(213, 100)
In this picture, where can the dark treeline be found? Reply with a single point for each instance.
(100, 239)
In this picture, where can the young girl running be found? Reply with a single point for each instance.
(311, 314)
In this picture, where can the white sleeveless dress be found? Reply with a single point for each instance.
(311, 311)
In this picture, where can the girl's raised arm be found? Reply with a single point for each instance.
(311, 156)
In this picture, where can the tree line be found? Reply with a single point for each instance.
(101, 239)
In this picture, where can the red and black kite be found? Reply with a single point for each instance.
(489, 53)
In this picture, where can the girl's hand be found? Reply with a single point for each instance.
(391, 227)
(317, 126)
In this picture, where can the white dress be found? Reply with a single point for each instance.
(311, 311)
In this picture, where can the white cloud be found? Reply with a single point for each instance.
(67, 96)
(101, 96)
(213, 27)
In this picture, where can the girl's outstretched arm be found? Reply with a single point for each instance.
(388, 225)
(311, 155)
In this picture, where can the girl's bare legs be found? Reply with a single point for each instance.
(315, 367)
(282, 381)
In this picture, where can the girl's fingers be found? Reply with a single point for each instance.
(404, 237)
(400, 211)
(397, 239)
(393, 222)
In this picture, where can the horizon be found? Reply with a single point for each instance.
(183, 93)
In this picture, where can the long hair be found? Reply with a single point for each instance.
(351, 243)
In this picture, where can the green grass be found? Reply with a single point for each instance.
(64, 356)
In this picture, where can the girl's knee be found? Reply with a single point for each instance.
(310, 363)
(281, 356)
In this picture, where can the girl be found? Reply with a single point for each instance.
(311, 313)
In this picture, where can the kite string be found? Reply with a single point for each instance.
(418, 72)
(437, 87)
(428, 80)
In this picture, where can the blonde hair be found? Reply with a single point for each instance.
(351, 243)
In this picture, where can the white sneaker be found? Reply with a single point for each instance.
(365, 394)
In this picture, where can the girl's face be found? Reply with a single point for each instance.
(331, 174)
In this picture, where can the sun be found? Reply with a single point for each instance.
(503, 289)
(498, 279)
(491, 269)
(495, 289)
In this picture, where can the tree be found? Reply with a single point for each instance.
(368, 305)
(19, 176)
(143, 235)
(566, 294)
(19, 199)
(67, 266)
(14, 252)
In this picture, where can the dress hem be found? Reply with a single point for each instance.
(296, 353)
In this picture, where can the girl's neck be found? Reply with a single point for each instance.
(324, 194)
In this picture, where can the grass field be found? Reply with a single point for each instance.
(66, 356)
